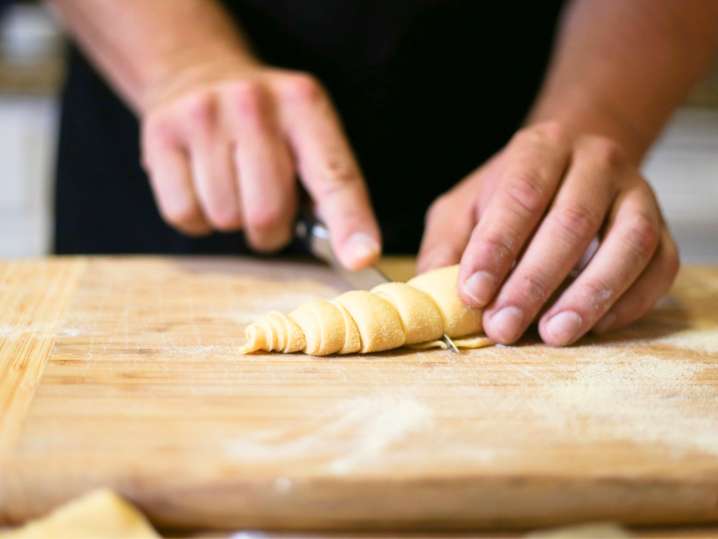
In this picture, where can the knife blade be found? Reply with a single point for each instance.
(315, 236)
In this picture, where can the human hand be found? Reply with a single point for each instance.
(521, 224)
(223, 143)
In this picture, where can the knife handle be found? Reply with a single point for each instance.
(315, 236)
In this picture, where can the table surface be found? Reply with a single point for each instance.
(124, 372)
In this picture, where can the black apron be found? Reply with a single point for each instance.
(427, 90)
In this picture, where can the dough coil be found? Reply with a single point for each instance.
(389, 316)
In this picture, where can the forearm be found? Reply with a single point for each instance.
(139, 44)
(621, 67)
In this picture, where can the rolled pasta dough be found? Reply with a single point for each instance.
(416, 313)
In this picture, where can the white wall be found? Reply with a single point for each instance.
(27, 145)
(683, 169)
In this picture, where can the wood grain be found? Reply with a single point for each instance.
(143, 391)
(33, 296)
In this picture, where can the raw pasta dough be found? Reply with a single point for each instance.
(98, 515)
(416, 313)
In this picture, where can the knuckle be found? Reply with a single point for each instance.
(200, 111)
(501, 247)
(301, 88)
(248, 97)
(341, 170)
(607, 153)
(524, 192)
(438, 209)
(551, 132)
(157, 133)
(533, 288)
(577, 222)
(647, 302)
(527, 136)
(641, 304)
(597, 294)
(157, 129)
(642, 235)
(339, 175)
(544, 133)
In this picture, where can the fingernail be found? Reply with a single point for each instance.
(564, 327)
(479, 287)
(360, 249)
(507, 323)
(605, 324)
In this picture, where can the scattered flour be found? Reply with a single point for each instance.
(614, 400)
(382, 422)
(249, 535)
(355, 433)
(697, 340)
(283, 485)
(603, 397)
(39, 330)
(69, 332)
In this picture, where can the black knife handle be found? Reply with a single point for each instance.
(315, 236)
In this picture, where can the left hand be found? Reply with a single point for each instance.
(522, 222)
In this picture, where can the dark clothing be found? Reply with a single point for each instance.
(427, 90)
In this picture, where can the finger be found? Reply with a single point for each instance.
(171, 181)
(212, 166)
(448, 225)
(566, 232)
(653, 283)
(534, 164)
(630, 242)
(264, 166)
(329, 171)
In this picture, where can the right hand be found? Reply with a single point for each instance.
(224, 142)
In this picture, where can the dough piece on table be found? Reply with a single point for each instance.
(389, 316)
(98, 515)
(352, 339)
(275, 332)
(376, 319)
(468, 343)
(323, 327)
(420, 316)
(440, 285)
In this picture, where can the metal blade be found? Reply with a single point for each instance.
(316, 237)
(450, 345)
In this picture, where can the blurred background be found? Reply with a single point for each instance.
(683, 166)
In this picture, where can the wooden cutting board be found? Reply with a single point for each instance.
(125, 372)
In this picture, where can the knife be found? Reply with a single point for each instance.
(315, 236)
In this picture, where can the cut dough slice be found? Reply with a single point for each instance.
(440, 285)
(352, 339)
(419, 314)
(322, 325)
(376, 319)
